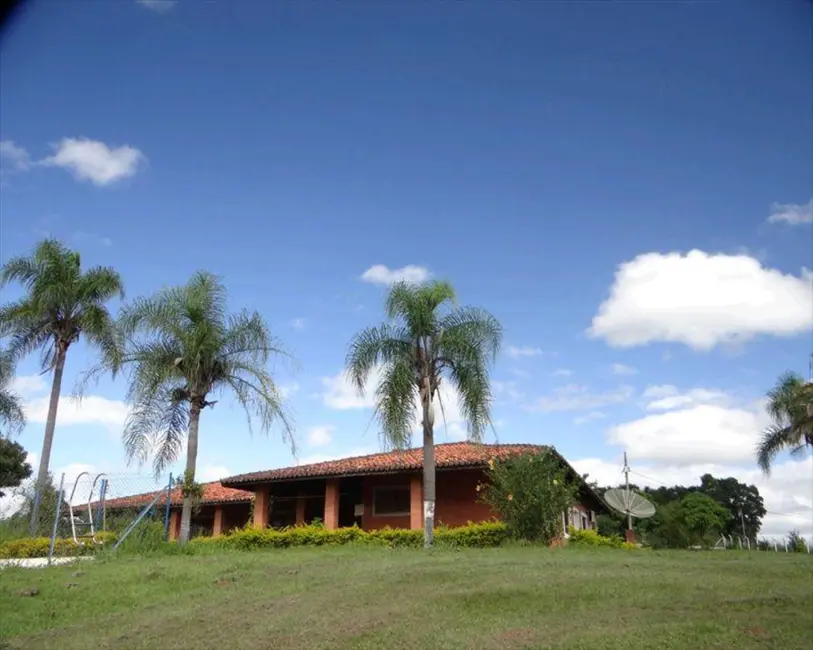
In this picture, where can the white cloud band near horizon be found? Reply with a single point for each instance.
(381, 275)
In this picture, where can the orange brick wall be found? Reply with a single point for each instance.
(456, 503)
(457, 498)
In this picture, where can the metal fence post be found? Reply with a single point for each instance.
(56, 518)
(166, 510)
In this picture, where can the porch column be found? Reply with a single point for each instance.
(300, 511)
(217, 528)
(416, 502)
(332, 504)
(261, 508)
(174, 524)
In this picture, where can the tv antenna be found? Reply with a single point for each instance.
(627, 501)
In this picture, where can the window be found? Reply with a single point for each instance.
(391, 501)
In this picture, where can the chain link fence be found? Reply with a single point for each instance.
(84, 512)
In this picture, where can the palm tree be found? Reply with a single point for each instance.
(12, 415)
(180, 347)
(62, 304)
(790, 405)
(427, 339)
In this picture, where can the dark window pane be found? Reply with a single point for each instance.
(391, 500)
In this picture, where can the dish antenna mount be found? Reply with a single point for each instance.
(627, 501)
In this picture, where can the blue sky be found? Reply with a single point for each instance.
(626, 186)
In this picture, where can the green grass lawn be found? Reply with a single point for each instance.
(377, 598)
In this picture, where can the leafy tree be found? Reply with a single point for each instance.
(790, 405)
(736, 497)
(427, 340)
(62, 304)
(12, 416)
(666, 528)
(13, 468)
(704, 517)
(530, 492)
(796, 543)
(180, 348)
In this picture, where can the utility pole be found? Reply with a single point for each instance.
(627, 485)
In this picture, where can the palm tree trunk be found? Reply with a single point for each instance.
(428, 469)
(189, 475)
(48, 441)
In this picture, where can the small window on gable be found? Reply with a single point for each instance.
(391, 500)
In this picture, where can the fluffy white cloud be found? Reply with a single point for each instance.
(621, 369)
(159, 6)
(518, 351)
(792, 213)
(27, 385)
(384, 276)
(320, 436)
(298, 324)
(667, 397)
(95, 161)
(92, 409)
(579, 398)
(341, 394)
(788, 492)
(702, 300)
(287, 391)
(699, 434)
(13, 156)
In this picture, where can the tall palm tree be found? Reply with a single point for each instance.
(12, 415)
(790, 405)
(427, 339)
(62, 303)
(180, 348)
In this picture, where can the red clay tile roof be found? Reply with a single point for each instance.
(448, 455)
(213, 493)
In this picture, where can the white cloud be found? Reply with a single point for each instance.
(14, 156)
(667, 398)
(382, 275)
(702, 300)
(698, 434)
(91, 409)
(28, 385)
(320, 436)
(95, 161)
(508, 390)
(298, 324)
(341, 394)
(580, 398)
(516, 352)
(211, 472)
(792, 213)
(562, 372)
(590, 417)
(621, 369)
(159, 6)
(788, 492)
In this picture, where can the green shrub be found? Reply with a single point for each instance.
(39, 546)
(484, 535)
(591, 538)
(530, 492)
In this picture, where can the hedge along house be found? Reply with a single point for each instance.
(220, 509)
(386, 489)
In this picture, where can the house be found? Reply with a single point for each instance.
(220, 508)
(385, 489)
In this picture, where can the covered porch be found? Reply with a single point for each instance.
(368, 502)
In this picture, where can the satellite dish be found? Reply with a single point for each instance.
(630, 503)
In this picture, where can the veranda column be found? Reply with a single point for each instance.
(217, 528)
(416, 502)
(261, 508)
(332, 504)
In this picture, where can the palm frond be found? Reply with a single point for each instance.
(374, 346)
(12, 415)
(156, 428)
(774, 440)
(396, 398)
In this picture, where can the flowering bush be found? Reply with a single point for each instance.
(530, 492)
